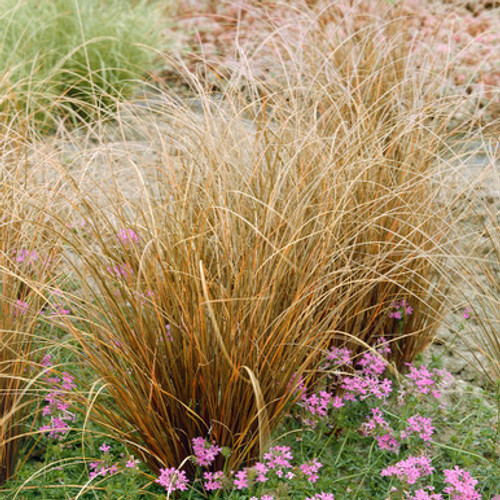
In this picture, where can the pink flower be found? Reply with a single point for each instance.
(467, 313)
(213, 480)
(386, 441)
(402, 309)
(261, 470)
(46, 360)
(67, 382)
(337, 402)
(172, 480)
(419, 425)
(311, 469)
(322, 496)
(168, 333)
(241, 481)
(339, 356)
(421, 379)
(21, 307)
(204, 452)
(278, 459)
(127, 236)
(317, 405)
(105, 448)
(297, 386)
(424, 495)
(59, 310)
(57, 428)
(410, 470)
(462, 484)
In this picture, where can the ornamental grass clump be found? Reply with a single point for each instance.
(234, 238)
(27, 262)
(369, 129)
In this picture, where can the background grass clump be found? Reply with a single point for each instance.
(61, 56)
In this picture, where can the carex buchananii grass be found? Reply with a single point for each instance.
(230, 240)
(365, 105)
(28, 258)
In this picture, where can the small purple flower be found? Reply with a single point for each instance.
(105, 448)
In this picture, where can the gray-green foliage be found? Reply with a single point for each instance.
(62, 55)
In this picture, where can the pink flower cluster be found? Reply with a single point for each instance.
(26, 256)
(57, 404)
(422, 426)
(173, 480)
(462, 486)
(107, 467)
(400, 310)
(339, 356)
(424, 381)
(21, 307)
(205, 453)
(310, 470)
(121, 271)
(322, 496)
(241, 481)
(101, 469)
(377, 423)
(319, 404)
(422, 494)
(279, 459)
(213, 480)
(410, 470)
(30, 259)
(365, 382)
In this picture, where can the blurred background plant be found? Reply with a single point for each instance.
(73, 58)
(463, 35)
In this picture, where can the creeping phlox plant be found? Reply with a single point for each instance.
(276, 464)
(106, 465)
(392, 417)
